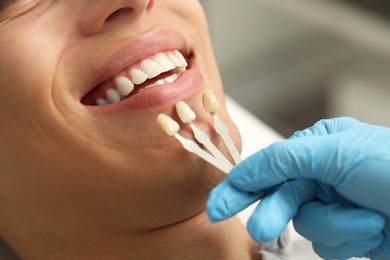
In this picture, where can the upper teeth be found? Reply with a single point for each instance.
(146, 69)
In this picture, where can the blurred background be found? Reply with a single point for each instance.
(292, 63)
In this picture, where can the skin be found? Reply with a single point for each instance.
(77, 185)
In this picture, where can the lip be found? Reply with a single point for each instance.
(189, 84)
(133, 50)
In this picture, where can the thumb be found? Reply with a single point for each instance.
(295, 158)
(354, 162)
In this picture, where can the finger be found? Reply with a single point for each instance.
(333, 225)
(283, 161)
(327, 126)
(351, 249)
(277, 208)
(225, 201)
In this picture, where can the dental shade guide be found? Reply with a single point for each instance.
(187, 115)
(171, 128)
(211, 105)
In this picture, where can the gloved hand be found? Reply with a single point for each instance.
(332, 179)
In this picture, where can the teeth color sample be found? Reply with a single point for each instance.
(113, 95)
(185, 113)
(151, 68)
(210, 102)
(168, 125)
(164, 62)
(138, 76)
(124, 85)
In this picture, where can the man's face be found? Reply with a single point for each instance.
(66, 159)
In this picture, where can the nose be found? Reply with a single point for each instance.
(99, 14)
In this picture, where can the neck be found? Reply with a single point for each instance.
(195, 238)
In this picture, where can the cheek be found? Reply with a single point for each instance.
(187, 16)
(28, 62)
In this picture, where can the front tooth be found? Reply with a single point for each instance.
(181, 58)
(124, 85)
(151, 68)
(175, 60)
(138, 76)
(113, 95)
(164, 62)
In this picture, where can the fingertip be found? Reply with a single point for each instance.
(214, 216)
(215, 205)
(215, 211)
(225, 201)
(262, 231)
(375, 222)
(273, 214)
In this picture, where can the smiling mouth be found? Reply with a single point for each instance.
(155, 71)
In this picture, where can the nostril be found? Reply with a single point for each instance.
(118, 13)
(150, 5)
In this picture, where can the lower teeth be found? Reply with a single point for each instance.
(160, 82)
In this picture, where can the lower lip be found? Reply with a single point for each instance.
(189, 84)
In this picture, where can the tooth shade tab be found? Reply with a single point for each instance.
(138, 76)
(124, 85)
(168, 125)
(185, 112)
(210, 102)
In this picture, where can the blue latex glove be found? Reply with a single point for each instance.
(332, 179)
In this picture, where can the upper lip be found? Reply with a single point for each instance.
(133, 50)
